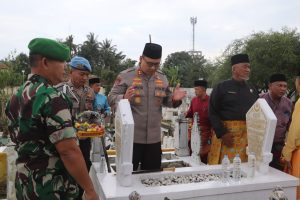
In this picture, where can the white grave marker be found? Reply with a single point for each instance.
(181, 137)
(124, 130)
(196, 140)
(261, 125)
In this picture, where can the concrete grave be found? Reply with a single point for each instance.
(124, 133)
(181, 137)
(196, 140)
(261, 124)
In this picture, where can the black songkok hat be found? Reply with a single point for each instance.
(277, 77)
(239, 58)
(152, 50)
(202, 83)
(298, 74)
(94, 80)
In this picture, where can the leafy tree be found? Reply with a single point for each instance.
(70, 43)
(269, 52)
(90, 49)
(184, 68)
(109, 55)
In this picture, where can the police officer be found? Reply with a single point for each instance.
(49, 161)
(147, 89)
(82, 97)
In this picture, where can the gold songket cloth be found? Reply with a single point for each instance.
(239, 131)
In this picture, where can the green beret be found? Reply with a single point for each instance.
(49, 48)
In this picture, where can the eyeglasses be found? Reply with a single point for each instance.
(151, 64)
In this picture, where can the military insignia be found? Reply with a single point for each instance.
(159, 83)
(137, 81)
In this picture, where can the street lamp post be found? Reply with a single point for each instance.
(23, 71)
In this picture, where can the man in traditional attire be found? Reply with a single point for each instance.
(229, 102)
(282, 108)
(199, 104)
(291, 149)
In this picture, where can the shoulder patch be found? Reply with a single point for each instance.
(128, 70)
(160, 72)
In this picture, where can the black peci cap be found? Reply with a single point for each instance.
(239, 58)
(152, 50)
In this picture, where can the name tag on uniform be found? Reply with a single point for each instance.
(231, 92)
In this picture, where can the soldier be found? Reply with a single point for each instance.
(82, 98)
(147, 89)
(49, 160)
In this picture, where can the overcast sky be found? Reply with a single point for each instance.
(128, 23)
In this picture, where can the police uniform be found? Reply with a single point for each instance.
(151, 93)
(39, 116)
(82, 99)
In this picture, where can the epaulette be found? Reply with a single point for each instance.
(128, 70)
(160, 72)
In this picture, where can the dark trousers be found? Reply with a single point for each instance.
(276, 151)
(146, 155)
(85, 147)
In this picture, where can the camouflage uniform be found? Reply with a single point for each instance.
(40, 117)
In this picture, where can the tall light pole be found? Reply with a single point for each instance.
(23, 71)
(193, 22)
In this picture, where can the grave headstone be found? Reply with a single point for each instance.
(181, 137)
(195, 140)
(261, 125)
(124, 133)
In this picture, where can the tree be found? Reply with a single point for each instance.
(109, 55)
(270, 52)
(70, 43)
(90, 49)
(185, 68)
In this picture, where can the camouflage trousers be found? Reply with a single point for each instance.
(44, 184)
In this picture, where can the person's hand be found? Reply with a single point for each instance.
(178, 93)
(227, 139)
(129, 93)
(90, 196)
(287, 165)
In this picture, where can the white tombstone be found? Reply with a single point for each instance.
(195, 140)
(261, 125)
(124, 130)
(181, 137)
